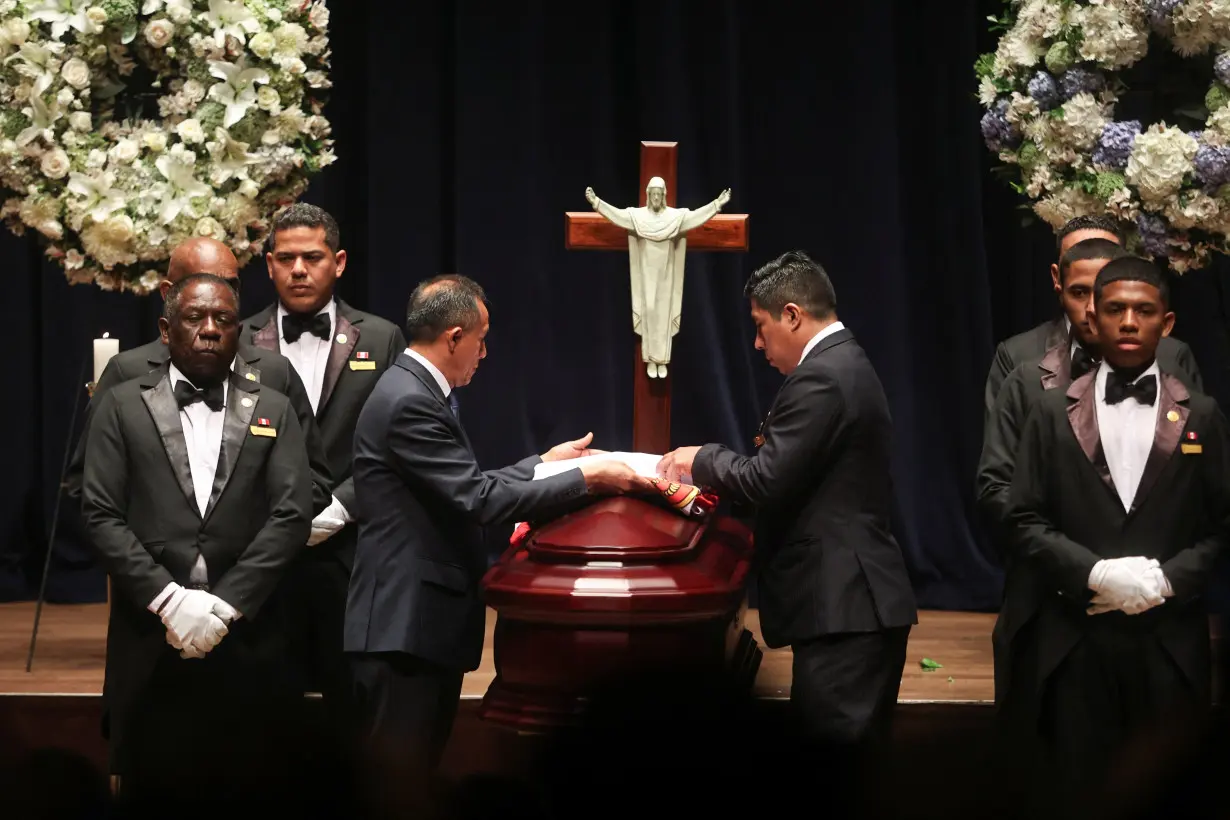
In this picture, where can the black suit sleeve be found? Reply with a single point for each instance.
(322, 479)
(430, 459)
(1036, 539)
(134, 571)
(248, 583)
(111, 376)
(999, 446)
(1001, 365)
(523, 470)
(806, 419)
(1188, 571)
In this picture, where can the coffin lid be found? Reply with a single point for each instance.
(623, 528)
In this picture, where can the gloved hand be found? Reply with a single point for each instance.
(331, 519)
(192, 625)
(1131, 585)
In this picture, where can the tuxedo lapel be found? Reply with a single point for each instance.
(427, 380)
(267, 335)
(164, 410)
(339, 352)
(1055, 367)
(1083, 416)
(240, 405)
(1172, 413)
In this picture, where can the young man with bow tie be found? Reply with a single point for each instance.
(1119, 505)
(339, 353)
(197, 495)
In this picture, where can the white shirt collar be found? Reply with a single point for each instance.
(819, 337)
(177, 375)
(432, 369)
(330, 308)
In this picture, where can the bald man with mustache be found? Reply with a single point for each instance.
(202, 254)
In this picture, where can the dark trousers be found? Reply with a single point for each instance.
(315, 615)
(844, 687)
(404, 706)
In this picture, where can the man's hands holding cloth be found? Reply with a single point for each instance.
(196, 621)
(1130, 585)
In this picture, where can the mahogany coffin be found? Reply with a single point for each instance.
(620, 587)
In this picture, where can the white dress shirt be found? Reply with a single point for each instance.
(1127, 431)
(819, 337)
(432, 369)
(203, 439)
(309, 354)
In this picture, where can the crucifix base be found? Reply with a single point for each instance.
(651, 410)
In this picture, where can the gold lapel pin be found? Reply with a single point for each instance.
(341, 338)
(1172, 416)
(250, 376)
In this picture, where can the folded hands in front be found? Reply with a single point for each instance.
(1130, 585)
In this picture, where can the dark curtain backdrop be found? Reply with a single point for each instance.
(464, 132)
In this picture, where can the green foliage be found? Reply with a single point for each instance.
(984, 65)
(251, 128)
(1060, 57)
(210, 115)
(1106, 183)
(1027, 156)
(14, 123)
(929, 665)
(1217, 96)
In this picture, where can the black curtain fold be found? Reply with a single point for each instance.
(464, 132)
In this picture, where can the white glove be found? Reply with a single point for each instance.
(1131, 585)
(331, 519)
(191, 623)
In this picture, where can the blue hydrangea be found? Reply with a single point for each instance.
(1115, 145)
(1221, 67)
(997, 132)
(1152, 234)
(1077, 80)
(1043, 89)
(1213, 164)
(1159, 12)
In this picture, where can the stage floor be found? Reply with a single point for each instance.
(68, 658)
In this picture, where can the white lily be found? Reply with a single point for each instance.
(231, 157)
(42, 117)
(182, 185)
(229, 17)
(99, 198)
(63, 15)
(237, 91)
(32, 64)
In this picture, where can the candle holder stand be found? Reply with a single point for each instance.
(55, 515)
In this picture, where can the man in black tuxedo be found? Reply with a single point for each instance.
(1062, 364)
(339, 353)
(206, 255)
(197, 495)
(1119, 501)
(833, 584)
(414, 618)
(1034, 343)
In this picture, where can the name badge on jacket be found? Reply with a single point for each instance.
(1190, 447)
(362, 361)
(264, 427)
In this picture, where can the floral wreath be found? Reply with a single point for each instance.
(1050, 91)
(128, 126)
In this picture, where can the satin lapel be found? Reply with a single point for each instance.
(1055, 367)
(247, 371)
(339, 352)
(234, 433)
(268, 336)
(1083, 416)
(1166, 434)
(160, 400)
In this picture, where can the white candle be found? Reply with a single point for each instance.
(104, 349)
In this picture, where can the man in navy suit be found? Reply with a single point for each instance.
(414, 619)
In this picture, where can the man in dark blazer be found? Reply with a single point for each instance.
(196, 495)
(1119, 501)
(339, 353)
(414, 618)
(833, 584)
(1068, 360)
(1033, 344)
(206, 255)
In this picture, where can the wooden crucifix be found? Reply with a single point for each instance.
(652, 246)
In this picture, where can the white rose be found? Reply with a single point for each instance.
(180, 11)
(190, 131)
(21, 93)
(118, 230)
(193, 91)
(268, 98)
(80, 121)
(262, 44)
(16, 30)
(74, 259)
(55, 164)
(65, 97)
(159, 33)
(8, 147)
(316, 79)
(295, 66)
(155, 141)
(209, 227)
(319, 16)
(96, 158)
(125, 151)
(274, 15)
(96, 15)
(249, 189)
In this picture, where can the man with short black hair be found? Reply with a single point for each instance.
(414, 618)
(196, 495)
(1119, 506)
(339, 352)
(833, 583)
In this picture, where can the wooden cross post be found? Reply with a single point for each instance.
(589, 230)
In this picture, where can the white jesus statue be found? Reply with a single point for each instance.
(657, 241)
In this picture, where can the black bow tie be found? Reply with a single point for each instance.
(1119, 387)
(186, 395)
(295, 325)
(1082, 362)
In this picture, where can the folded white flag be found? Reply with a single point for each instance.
(643, 464)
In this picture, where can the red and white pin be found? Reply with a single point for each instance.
(262, 422)
(362, 354)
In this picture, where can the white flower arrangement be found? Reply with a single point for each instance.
(111, 186)
(1050, 90)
